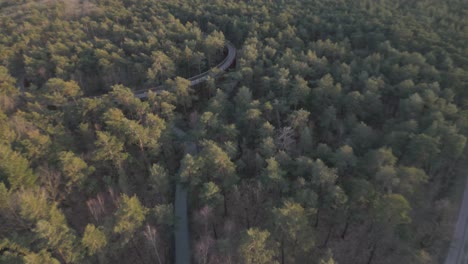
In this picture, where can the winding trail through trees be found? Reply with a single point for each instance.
(458, 253)
(197, 79)
(182, 234)
(182, 241)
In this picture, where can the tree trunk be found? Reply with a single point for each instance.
(369, 261)
(328, 236)
(278, 120)
(345, 230)
(282, 250)
(185, 108)
(247, 218)
(143, 154)
(123, 179)
(137, 251)
(214, 232)
(317, 216)
(225, 203)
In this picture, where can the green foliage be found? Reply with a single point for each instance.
(322, 174)
(162, 68)
(254, 248)
(164, 214)
(74, 168)
(130, 216)
(11, 252)
(393, 209)
(38, 258)
(273, 175)
(58, 91)
(189, 169)
(8, 91)
(159, 180)
(33, 204)
(109, 148)
(58, 235)
(4, 196)
(339, 120)
(182, 90)
(216, 164)
(15, 169)
(294, 230)
(211, 194)
(94, 239)
(327, 259)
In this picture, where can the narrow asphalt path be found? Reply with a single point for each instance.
(182, 233)
(458, 253)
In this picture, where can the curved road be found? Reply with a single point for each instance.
(194, 80)
(458, 253)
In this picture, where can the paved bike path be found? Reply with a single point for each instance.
(457, 253)
(182, 233)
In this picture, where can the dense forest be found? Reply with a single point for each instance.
(337, 137)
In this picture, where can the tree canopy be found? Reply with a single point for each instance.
(337, 136)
